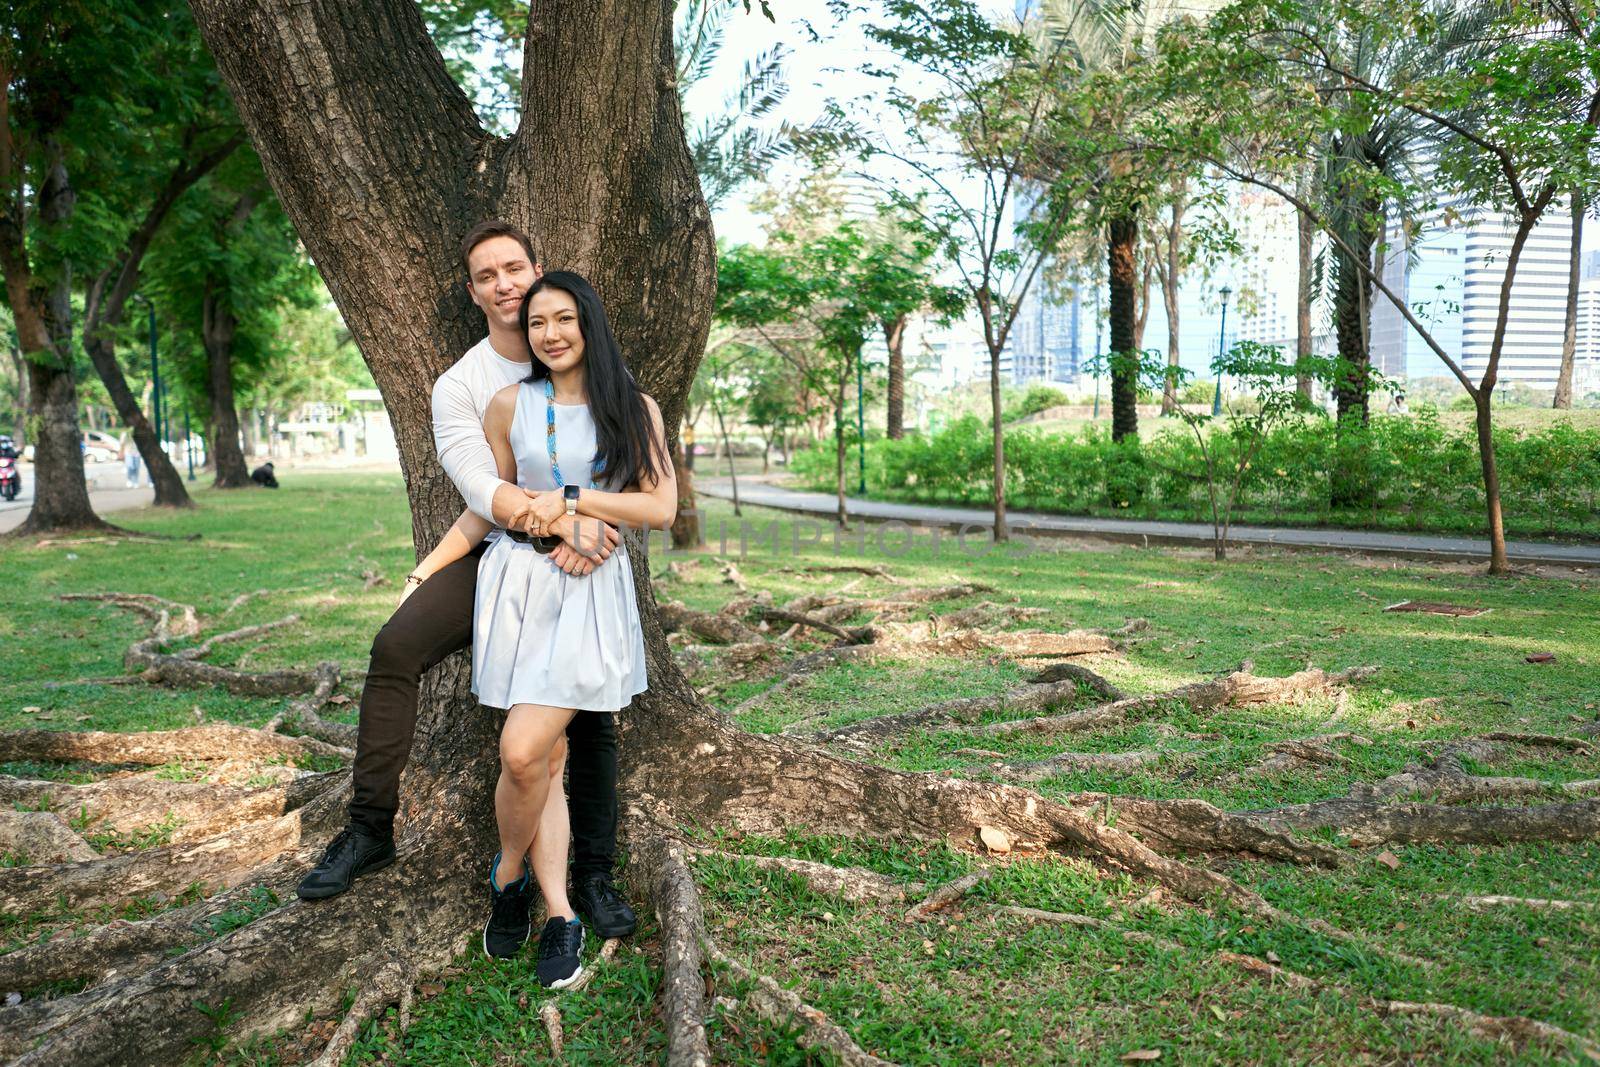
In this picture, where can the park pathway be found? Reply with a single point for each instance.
(1141, 531)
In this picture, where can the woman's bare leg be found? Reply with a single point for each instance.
(551, 844)
(526, 744)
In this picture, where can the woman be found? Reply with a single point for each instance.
(549, 645)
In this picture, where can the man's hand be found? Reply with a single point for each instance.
(589, 537)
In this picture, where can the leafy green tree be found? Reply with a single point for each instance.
(968, 148)
(1512, 125)
(224, 275)
(842, 287)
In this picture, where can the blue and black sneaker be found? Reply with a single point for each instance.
(560, 947)
(510, 914)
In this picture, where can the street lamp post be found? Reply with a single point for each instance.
(188, 441)
(1222, 342)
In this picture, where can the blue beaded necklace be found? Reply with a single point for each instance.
(550, 438)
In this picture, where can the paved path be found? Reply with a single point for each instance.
(1140, 531)
(108, 492)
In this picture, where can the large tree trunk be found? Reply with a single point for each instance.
(42, 313)
(1122, 242)
(1569, 336)
(894, 338)
(686, 525)
(217, 328)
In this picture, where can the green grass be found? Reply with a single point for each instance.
(975, 986)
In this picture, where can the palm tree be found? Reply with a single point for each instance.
(1371, 163)
(1106, 40)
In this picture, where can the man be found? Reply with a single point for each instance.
(436, 618)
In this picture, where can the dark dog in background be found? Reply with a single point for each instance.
(263, 475)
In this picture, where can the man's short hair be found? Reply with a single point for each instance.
(486, 229)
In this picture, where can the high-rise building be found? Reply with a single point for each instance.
(1046, 341)
(1450, 278)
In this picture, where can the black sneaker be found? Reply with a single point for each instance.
(559, 949)
(510, 914)
(354, 852)
(596, 898)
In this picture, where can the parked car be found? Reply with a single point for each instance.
(100, 447)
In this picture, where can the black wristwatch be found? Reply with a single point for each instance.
(570, 492)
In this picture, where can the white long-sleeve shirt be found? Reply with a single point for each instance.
(460, 398)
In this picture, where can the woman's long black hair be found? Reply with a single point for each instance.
(625, 448)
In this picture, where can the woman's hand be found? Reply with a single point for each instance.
(547, 508)
(410, 585)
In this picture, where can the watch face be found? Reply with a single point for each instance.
(570, 492)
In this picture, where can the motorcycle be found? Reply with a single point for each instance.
(10, 478)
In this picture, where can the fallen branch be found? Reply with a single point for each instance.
(858, 636)
(550, 1015)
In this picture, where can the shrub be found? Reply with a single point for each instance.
(1422, 474)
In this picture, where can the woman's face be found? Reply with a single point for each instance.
(553, 331)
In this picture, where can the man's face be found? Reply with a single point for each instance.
(501, 273)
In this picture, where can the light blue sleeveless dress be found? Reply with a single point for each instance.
(540, 636)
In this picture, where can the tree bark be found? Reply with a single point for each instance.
(894, 338)
(1350, 486)
(107, 302)
(42, 312)
(217, 328)
(1306, 229)
(838, 441)
(19, 417)
(686, 525)
(1122, 240)
(1569, 336)
(1171, 278)
(997, 427)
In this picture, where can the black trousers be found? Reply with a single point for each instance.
(435, 621)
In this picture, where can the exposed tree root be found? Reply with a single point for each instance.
(945, 895)
(1233, 690)
(1531, 903)
(1372, 823)
(870, 572)
(1196, 826)
(216, 742)
(202, 809)
(1298, 752)
(302, 714)
(389, 983)
(961, 710)
(677, 903)
(225, 860)
(1516, 1028)
(550, 1015)
(123, 947)
(41, 837)
(1573, 744)
(780, 1006)
(988, 613)
(1065, 671)
(1067, 762)
(185, 669)
(854, 884)
(858, 636)
(716, 627)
